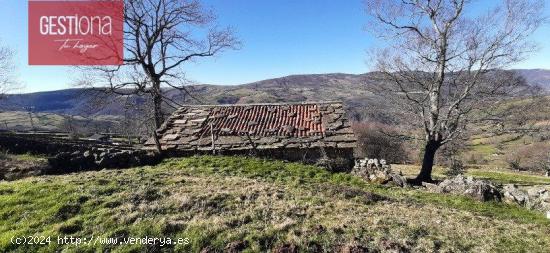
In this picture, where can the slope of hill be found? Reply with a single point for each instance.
(254, 205)
(539, 77)
(353, 89)
(362, 105)
(346, 87)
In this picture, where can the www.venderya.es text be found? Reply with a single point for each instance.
(98, 240)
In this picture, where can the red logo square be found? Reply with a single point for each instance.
(76, 32)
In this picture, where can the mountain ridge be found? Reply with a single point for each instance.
(350, 88)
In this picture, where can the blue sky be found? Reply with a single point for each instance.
(279, 38)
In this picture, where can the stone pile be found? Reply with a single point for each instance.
(535, 198)
(97, 158)
(481, 190)
(378, 171)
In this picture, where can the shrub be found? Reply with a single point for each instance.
(456, 168)
(533, 157)
(379, 141)
(334, 164)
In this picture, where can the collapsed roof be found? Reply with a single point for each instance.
(256, 126)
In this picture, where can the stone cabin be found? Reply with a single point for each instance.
(310, 132)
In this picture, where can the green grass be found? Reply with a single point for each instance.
(297, 174)
(217, 202)
(26, 157)
(483, 149)
(509, 177)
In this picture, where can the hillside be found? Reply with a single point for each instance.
(483, 147)
(256, 206)
(539, 77)
(352, 89)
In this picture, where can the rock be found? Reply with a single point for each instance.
(399, 179)
(478, 189)
(513, 195)
(432, 187)
(380, 177)
(535, 192)
(94, 159)
(377, 171)
(539, 205)
(534, 198)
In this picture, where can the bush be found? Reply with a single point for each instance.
(533, 157)
(456, 168)
(335, 164)
(378, 141)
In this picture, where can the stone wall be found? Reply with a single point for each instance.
(99, 158)
(49, 145)
(378, 171)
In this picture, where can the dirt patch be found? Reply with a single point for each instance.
(67, 211)
(237, 246)
(285, 248)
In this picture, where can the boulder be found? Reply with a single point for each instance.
(481, 190)
(380, 177)
(534, 198)
(513, 195)
(539, 199)
(432, 187)
(399, 179)
(536, 192)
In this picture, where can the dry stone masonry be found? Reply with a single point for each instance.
(378, 171)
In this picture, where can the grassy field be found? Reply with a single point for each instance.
(492, 173)
(237, 203)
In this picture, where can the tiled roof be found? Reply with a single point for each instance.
(265, 126)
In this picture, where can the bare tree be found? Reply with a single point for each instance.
(443, 64)
(159, 37)
(7, 77)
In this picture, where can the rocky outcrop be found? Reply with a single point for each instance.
(513, 195)
(535, 198)
(481, 190)
(378, 171)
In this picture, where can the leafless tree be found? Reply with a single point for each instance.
(160, 36)
(444, 64)
(7, 77)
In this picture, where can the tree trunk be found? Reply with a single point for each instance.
(425, 174)
(157, 111)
